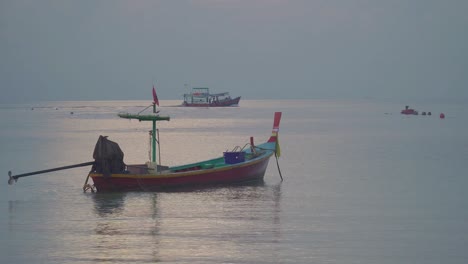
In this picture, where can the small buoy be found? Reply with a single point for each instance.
(442, 116)
(71, 113)
(429, 113)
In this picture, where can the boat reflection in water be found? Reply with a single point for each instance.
(222, 223)
(109, 203)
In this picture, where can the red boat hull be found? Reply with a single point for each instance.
(239, 173)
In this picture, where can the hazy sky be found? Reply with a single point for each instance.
(259, 49)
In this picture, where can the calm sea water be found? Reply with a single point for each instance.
(362, 184)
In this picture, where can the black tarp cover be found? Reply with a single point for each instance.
(108, 157)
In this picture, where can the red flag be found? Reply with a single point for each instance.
(155, 97)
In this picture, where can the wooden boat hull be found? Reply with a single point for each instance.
(248, 171)
(240, 165)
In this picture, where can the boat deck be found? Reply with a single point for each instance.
(208, 164)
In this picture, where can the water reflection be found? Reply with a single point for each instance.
(127, 227)
(231, 223)
(12, 213)
(108, 203)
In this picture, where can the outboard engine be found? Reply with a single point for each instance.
(108, 157)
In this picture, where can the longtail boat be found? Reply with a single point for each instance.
(241, 165)
(110, 173)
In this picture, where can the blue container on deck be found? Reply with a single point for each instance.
(234, 157)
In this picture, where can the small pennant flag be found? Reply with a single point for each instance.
(155, 97)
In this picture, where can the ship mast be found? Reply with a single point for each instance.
(153, 118)
(153, 136)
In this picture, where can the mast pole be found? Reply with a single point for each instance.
(153, 136)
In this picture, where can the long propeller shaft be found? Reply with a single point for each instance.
(14, 178)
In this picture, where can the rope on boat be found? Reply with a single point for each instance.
(149, 145)
(276, 157)
(144, 109)
(157, 141)
(88, 186)
(277, 164)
